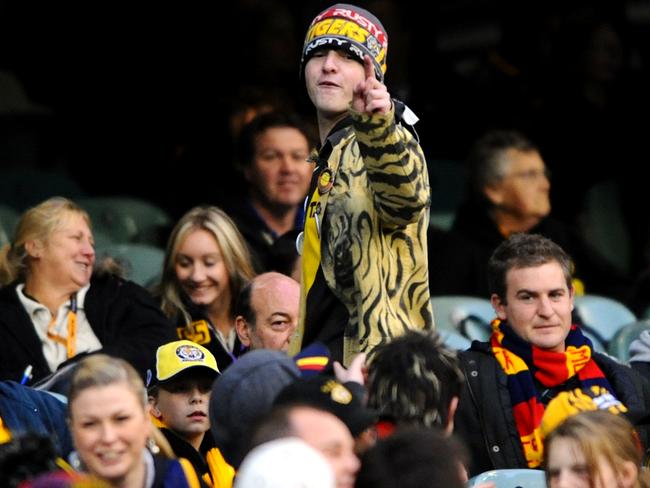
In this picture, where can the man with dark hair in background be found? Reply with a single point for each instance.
(534, 353)
(272, 152)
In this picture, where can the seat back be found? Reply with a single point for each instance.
(455, 340)
(596, 341)
(619, 346)
(143, 263)
(128, 219)
(511, 478)
(8, 220)
(602, 316)
(471, 316)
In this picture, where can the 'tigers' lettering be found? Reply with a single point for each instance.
(358, 19)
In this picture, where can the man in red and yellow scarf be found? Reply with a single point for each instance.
(535, 352)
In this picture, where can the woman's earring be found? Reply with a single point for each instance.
(152, 446)
(75, 461)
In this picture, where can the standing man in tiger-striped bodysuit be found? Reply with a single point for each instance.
(364, 277)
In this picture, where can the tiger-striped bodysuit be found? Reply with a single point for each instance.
(372, 224)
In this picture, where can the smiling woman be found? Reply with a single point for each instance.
(53, 309)
(110, 425)
(206, 265)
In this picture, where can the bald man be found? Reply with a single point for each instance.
(267, 312)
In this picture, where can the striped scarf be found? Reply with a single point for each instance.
(521, 361)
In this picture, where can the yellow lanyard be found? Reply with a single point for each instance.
(70, 342)
(311, 242)
(313, 218)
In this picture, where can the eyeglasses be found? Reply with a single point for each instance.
(532, 174)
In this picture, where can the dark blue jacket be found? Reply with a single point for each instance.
(24, 409)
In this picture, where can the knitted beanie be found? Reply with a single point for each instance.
(350, 29)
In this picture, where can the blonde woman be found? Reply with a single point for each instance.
(110, 425)
(207, 263)
(595, 449)
(52, 307)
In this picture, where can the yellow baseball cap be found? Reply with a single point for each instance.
(178, 356)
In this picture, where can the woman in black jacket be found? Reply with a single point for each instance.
(52, 309)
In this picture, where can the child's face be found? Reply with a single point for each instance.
(567, 467)
(182, 405)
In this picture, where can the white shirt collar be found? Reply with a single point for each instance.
(32, 306)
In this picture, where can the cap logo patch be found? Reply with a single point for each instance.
(373, 46)
(338, 393)
(189, 353)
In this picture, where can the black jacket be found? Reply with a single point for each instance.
(123, 316)
(458, 259)
(183, 449)
(258, 235)
(485, 422)
(206, 336)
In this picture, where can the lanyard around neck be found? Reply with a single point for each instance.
(70, 341)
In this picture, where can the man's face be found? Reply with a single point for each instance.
(538, 305)
(279, 173)
(524, 190)
(329, 435)
(331, 77)
(275, 298)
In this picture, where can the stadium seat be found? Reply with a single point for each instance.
(511, 478)
(471, 316)
(142, 262)
(602, 316)
(619, 346)
(455, 340)
(127, 219)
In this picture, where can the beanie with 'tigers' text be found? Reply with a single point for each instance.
(351, 29)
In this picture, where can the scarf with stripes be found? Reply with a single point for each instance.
(522, 361)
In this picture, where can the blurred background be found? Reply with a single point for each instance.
(145, 99)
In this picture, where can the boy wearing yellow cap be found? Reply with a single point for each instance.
(179, 396)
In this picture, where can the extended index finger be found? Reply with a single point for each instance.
(368, 67)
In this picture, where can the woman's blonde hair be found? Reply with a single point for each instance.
(37, 223)
(234, 251)
(602, 436)
(99, 370)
